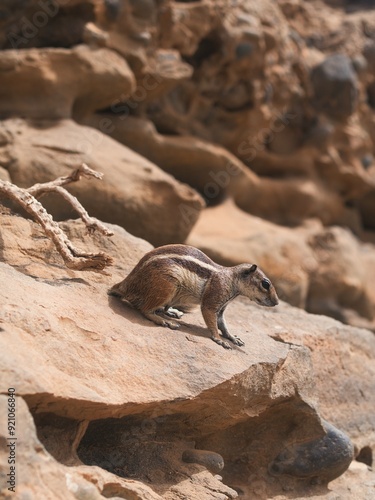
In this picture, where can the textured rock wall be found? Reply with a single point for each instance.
(246, 129)
(268, 104)
(118, 402)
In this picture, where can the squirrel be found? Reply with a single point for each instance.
(170, 280)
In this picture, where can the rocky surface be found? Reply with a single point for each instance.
(134, 193)
(279, 119)
(246, 129)
(107, 388)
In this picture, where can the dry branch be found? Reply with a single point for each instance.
(26, 198)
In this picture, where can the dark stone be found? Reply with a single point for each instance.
(244, 49)
(371, 94)
(365, 456)
(144, 9)
(369, 54)
(366, 207)
(209, 459)
(360, 64)
(321, 460)
(367, 161)
(335, 87)
(112, 8)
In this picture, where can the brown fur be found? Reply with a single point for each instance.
(175, 278)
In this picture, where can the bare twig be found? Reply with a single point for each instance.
(26, 198)
(38, 190)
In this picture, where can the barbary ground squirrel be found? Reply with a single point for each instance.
(172, 279)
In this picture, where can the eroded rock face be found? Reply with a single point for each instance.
(59, 481)
(55, 83)
(209, 168)
(335, 86)
(139, 396)
(325, 271)
(134, 193)
(247, 103)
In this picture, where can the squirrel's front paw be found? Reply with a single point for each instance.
(237, 341)
(222, 343)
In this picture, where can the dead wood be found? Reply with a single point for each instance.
(27, 199)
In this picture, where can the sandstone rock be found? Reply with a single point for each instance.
(189, 76)
(326, 271)
(217, 173)
(291, 201)
(39, 23)
(369, 54)
(345, 395)
(134, 193)
(56, 83)
(130, 380)
(210, 169)
(335, 89)
(230, 236)
(338, 286)
(59, 481)
(371, 95)
(4, 175)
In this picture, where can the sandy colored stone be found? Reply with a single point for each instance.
(231, 236)
(213, 81)
(326, 271)
(209, 168)
(39, 475)
(122, 392)
(54, 83)
(134, 193)
(34, 23)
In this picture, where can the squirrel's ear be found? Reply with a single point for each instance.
(250, 270)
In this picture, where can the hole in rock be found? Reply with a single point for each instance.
(365, 456)
(371, 95)
(206, 48)
(59, 435)
(150, 446)
(135, 447)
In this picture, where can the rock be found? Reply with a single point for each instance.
(345, 396)
(371, 95)
(369, 54)
(291, 201)
(25, 24)
(338, 285)
(134, 192)
(190, 25)
(323, 270)
(114, 360)
(335, 87)
(55, 83)
(211, 460)
(323, 459)
(282, 95)
(230, 236)
(4, 175)
(59, 481)
(210, 169)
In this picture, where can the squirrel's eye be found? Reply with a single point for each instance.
(266, 284)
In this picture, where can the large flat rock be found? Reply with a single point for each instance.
(108, 388)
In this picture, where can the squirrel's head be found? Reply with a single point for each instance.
(255, 285)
